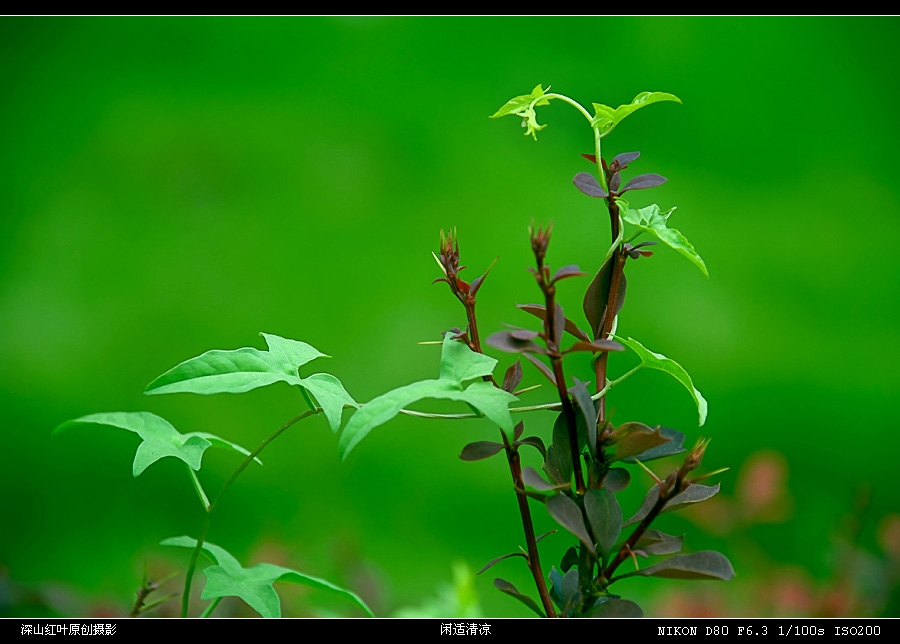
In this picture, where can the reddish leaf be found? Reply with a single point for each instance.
(539, 311)
(622, 160)
(597, 296)
(567, 271)
(544, 369)
(512, 377)
(506, 341)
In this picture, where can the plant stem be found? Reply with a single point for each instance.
(192, 564)
(628, 546)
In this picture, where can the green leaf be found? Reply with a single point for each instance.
(651, 220)
(255, 585)
(615, 608)
(523, 106)
(605, 517)
(159, 438)
(706, 564)
(660, 362)
(606, 118)
(458, 363)
(237, 371)
(330, 395)
(241, 370)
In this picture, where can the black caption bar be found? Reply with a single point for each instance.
(96, 631)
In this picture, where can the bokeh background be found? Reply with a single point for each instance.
(173, 185)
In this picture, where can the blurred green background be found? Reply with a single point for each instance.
(172, 185)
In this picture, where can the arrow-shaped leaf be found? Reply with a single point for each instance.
(660, 362)
(159, 438)
(457, 365)
(244, 369)
(255, 585)
(651, 220)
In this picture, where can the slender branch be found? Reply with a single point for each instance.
(628, 546)
(195, 554)
(449, 262)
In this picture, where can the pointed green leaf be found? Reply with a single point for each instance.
(458, 363)
(605, 517)
(159, 438)
(662, 363)
(706, 564)
(651, 220)
(255, 585)
(615, 608)
(237, 371)
(523, 106)
(380, 410)
(330, 395)
(606, 118)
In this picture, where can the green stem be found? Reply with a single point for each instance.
(554, 406)
(212, 606)
(198, 487)
(597, 136)
(192, 564)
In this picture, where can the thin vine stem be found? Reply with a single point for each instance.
(554, 406)
(195, 554)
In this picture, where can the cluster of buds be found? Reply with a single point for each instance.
(448, 259)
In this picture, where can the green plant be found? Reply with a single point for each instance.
(584, 465)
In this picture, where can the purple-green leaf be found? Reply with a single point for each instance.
(615, 608)
(617, 479)
(587, 183)
(605, 517)
(512, 377)
(568, 515)
(706, 564)
(480, 450)
(597, 296)
(654, 542)
(506, 587)
(539, 311)
(644, 181)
